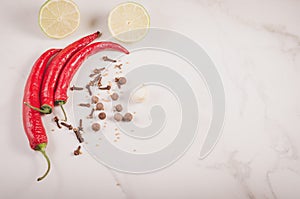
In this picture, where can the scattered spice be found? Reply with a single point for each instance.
(56, 120)
(80, 128)
(108, 87)
(85, 105)
(92, 75)
(96, 127)
(91, 114)
(69, 126)
(78, 135)
(127, 117)
(118, 117)
(88, 87)
(99, 84)
(75, 88)
(95, 99)
(77, 151)
(119, 107)
(122, 80)
(105, 58)
(98, 70)
(102, 116)
(99, 106)
(97, 78)
(118, 66)
(114, 96)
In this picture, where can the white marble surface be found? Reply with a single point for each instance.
(256, 47)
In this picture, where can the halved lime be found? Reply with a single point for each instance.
(59, 18)
(128, 22)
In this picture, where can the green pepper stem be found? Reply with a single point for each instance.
(64, 112)
(45, 111)
(41, 148)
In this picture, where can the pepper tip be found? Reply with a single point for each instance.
(99, 34)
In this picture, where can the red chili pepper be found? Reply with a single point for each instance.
(32, 121)
(54, 69)
(60, 96)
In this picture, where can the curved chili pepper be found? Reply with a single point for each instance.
(32, 121)
(54, 69)
(60, 96)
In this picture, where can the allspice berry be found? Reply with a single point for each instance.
(127, 117)
(118, 117)
(122, 80)
(119, 107)
(114, 96)
(95, 99)
(96, 127)
(99, 106)
(102, 116)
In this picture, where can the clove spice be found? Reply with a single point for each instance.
(78, 135)
(92, 74)
(69, 126)
(75, 88)
(98, 70)
(56, 120)
(84, 105)
(80, 128)
(77, 151)
(120, 81)
(88, 87)
(92, 83)
(118, 66)
(99, 82)
(91, 114)
(108, 87)
(105, 58)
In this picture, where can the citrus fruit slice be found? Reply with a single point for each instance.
(59, 18)
(128, 22)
